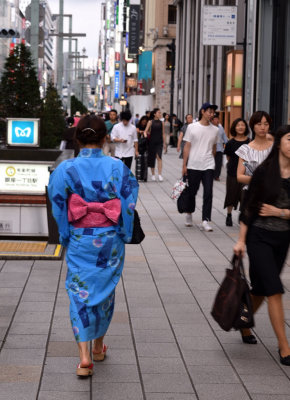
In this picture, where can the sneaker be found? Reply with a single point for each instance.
(160, 178)
(188, 220)
(153, 178)
(229, 221)
(206, 226)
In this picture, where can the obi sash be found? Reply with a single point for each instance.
(82, 214)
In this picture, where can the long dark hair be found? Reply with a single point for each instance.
(265, 185)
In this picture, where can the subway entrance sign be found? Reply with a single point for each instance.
(23, 132)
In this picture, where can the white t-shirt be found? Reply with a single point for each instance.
(128, 133)
(202, 139)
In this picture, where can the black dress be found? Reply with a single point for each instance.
(155, 143)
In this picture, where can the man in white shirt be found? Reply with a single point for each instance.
(198, 161)
(124, 135)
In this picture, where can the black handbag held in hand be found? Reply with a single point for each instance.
(138, 235)
(232, 307)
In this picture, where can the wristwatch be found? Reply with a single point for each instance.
(282, 214)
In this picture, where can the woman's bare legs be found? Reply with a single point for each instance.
(276, 313)
(256, 302)
(159, 165)
(230, 209)
(98, 345)
(85, 357)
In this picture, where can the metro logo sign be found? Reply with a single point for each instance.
(23, 132)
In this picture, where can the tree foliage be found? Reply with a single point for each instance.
(52, 119)
(77, 105)
(19, 86)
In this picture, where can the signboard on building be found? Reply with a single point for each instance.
(219, 25)
(117, 84)
(20, 178)
(23, 132)
(134, 28)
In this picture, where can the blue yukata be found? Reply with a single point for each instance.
(95, 255)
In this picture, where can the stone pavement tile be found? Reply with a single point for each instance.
(159, 350)
(270, 397)
(32, 317)
(9, 292)
(170, 396)
(42, 285)
(147, 312)
(49, 395)
(170, 383)
(60, 365)
(25, 342)
(62, 349)
(31, 296)
(20, 373)
(4, 322)
(18, 391)
(50, 264)
(166, 365)
(119, 342)
(212, 374)
(61, 382)
(62, 335)
(250, 352)
(120, 391)
(222, 391)
(18, 263)
(256, 367)
(271, 385)
(231, 337)
(28, 357)
(193, 329)
(198, 343)
(205, 357)
(150, 301)
(2, 333)
(106, 373)
(13, 279)
(61, 311)
(116, 328)
(150, 323)
(120, 356)
(26, 328)
(181, 298)
(153, 336)
(36, 305)
(121, 317)
(7, 311)
(9, 301)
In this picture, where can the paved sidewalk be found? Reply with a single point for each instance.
(163, 343)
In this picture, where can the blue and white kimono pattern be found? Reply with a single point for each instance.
(95, 256)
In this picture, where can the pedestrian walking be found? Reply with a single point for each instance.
(156, 140)
(198, 161)
(124, 135)
(167, 131)
(181, 142)
(222, 140)
(93, 198)
(265, 230)
(136, 119)
(239, 132)
(68, 141)
(253, 154)
(176, 125)
(109, 146)
(141, 167)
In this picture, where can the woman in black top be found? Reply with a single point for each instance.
(239, 131)
(265, 228)
(156, 134)
(142, 140)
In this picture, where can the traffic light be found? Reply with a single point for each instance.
(9, 33)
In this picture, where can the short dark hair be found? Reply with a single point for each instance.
(113, 110)
(70, 120)
(235, 123)
(91, 130)
(257, 117)
(153, 112)
(126, 115)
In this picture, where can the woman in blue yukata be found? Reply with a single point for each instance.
(93, 198)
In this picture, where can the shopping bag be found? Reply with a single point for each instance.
(177, 189)
(232, 307)
(185, 202)
(138, 235)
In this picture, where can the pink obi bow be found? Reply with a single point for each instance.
(93, 215)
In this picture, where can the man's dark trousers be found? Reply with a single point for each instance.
(206, 177)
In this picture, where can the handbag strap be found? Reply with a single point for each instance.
(237, 263)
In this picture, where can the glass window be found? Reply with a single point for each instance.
(171, 14)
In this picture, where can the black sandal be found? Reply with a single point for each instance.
(249, 339)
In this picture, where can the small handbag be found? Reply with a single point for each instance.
(138, 235)
(178, 188)
(232, 307)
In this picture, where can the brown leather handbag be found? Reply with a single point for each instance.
(232, 307)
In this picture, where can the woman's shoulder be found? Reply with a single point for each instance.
(243, 151)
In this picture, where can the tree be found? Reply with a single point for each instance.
(77, 105)
(19, 86)
(52, 122)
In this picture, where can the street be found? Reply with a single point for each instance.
(163, 343)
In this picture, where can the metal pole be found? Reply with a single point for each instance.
(70, 68)
(34, 42)
(172, 75)
(60, 49)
